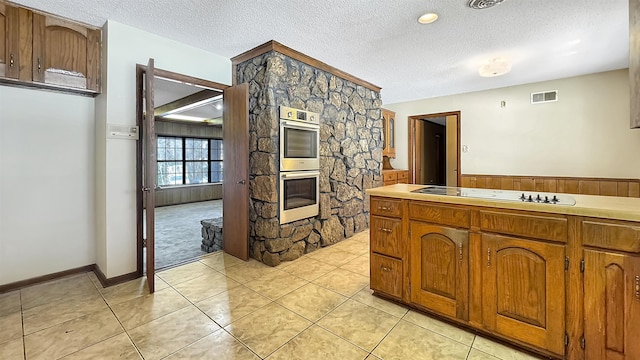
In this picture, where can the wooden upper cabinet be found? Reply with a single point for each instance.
(15, 42)
(523, 294)
(440, 269)
(389, 132)
(612, 306)
(65, 53)
(39, 50)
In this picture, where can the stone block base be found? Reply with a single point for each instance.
(211, 235)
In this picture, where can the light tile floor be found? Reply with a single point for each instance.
(317, 307)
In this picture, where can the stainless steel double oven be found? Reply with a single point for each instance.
(299, 164)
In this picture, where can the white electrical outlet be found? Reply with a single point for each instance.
(465, 148)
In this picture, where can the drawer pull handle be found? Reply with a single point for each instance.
(385, 208)
(384, 268)
(638, 287)
(389, 231)
(488, 257)
(460, 250)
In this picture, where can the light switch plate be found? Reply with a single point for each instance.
(122, 132)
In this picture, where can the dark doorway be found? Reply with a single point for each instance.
(434, 154)
(432, 169)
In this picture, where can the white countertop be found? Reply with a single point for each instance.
(607, 207)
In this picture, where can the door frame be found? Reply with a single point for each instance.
(412, 142)
(165, 74)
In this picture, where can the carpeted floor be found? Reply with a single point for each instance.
(178, 231)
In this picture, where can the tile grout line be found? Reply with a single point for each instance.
(196, 306)
(288, 341)
(24, 342)
(123, 329)
(119, 322)
(385, 336)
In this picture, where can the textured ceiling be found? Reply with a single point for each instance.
(380, 40)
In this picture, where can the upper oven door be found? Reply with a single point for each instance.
(299, 146)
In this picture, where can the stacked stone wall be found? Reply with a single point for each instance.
(350, 154)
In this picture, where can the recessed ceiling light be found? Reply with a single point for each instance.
(428, 18)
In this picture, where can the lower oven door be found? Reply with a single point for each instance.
(299, 195)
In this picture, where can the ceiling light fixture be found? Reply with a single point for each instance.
(428, 18)
(494, 67)
(184, 118)
(191, 106)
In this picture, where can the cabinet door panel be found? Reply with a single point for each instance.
(612, 306)
(528, 267)
(63, 52)
(440, 269)
(523, 294)
(18, 46)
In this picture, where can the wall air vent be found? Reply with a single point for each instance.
(544, 97)
(483, 4)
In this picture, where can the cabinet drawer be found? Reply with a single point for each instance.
(389, 176)
(403, 175)
(542, 227)
(385, 235)
(386, 275)
(614, 236)
(391, 182)
(442, 215)
(386, 207)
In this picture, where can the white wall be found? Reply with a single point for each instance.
(116, 197)
(46, 183)
(585, 134)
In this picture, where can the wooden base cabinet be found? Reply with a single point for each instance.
(393, 176)
(524, 291)
(564, 286)
(440, 269)
(386, 275)
(612, 305)
(387, 264)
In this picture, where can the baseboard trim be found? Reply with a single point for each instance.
(114, 280)
(61, 274)
(44, 278)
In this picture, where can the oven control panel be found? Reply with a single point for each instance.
(287, 113)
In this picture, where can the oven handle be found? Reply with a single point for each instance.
(299, 125)
(299, 175)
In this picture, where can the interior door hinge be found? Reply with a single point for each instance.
(582, 265)
(144, 243)
(566, 263)
(583, 342)
(566, 339)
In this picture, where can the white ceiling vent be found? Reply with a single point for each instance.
(544, 97)
(483, 4)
